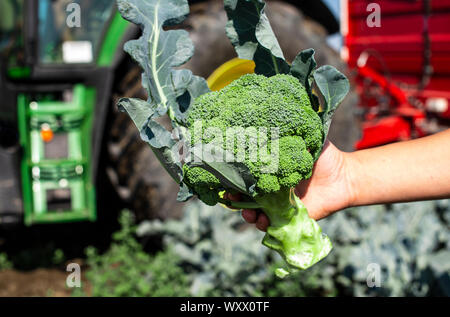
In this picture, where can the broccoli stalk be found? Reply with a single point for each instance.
(297, 238)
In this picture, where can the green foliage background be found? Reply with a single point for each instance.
(211, 252)
(5, 263)
(127, 270)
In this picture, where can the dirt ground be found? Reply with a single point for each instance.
(41, 282)
(37, 283)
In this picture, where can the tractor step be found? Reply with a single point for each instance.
(56, 165)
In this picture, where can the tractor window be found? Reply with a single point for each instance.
(71, 31)
(11, 27)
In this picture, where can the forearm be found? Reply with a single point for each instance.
(406, 171)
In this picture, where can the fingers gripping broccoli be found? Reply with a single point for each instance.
(281, 102)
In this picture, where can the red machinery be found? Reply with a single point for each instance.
(402, 66)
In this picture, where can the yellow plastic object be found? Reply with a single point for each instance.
(229, 72)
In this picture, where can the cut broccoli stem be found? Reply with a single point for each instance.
(292, 233)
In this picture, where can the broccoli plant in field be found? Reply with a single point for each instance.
(278, 100)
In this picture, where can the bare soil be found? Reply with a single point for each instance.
(42, 282)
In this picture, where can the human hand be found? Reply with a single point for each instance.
(328, 190)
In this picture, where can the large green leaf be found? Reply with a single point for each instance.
(334, 86)
(252, 36)
(158, 52)
(170, 90)
(159, 139)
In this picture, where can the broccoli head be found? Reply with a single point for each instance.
(291, 141)
(253, 102)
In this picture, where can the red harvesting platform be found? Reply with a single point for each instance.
(402, 66)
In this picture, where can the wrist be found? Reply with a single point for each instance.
(351, 168)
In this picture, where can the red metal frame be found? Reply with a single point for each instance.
(389, 64)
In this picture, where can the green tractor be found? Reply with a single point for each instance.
(63, 144)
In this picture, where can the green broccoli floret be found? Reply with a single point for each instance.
(256, 101)
(205, 184)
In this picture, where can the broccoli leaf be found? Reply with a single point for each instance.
(252, 36)
(170, 90)
(158, 51)
(187, 87)
(334, 86)
(234, 175)
(302, 68)
(159, 139)
(185, 193)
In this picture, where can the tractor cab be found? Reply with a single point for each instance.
(56, 60)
